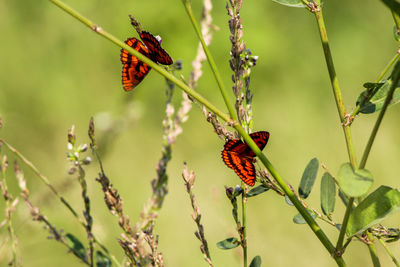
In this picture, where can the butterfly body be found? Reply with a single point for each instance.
(134, 70)
(238, 156)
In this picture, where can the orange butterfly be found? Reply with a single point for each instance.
(134, 70)
(239, 157)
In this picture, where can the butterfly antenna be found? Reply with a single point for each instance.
(135, 24)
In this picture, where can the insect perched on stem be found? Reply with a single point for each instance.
(134, 70)
(239, 157)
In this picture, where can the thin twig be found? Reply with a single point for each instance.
(189, 178)
(75, 158)
(11, 205)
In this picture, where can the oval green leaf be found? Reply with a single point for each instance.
(396, 33)
(376, 97)
(377, 206)
(256, 262)
(354, 183)
(328, 194)
(102, 260)
(291, 3)
(298, 219)
(228, 243)
(288, 201)
(308, 178)
(393, 5)
(257, 190)
(76, 246)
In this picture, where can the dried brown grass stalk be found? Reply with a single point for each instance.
(189, 178)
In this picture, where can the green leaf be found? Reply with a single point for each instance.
(76, 246)
(376, 96)
(393, 5)
(228, 243)
(298, 219)
(257, 190)
(396, 33)
(288, 201)
(291, 3)
(328, 194)
(377, 206)
(102, 260)
(308, 178)
(354, 183)
(256, 262)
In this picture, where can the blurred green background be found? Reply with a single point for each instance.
(55, 73)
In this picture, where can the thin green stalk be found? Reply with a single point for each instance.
(396, 19)
(379, 121)
(349, 208)
(188, 7)
(341, 111)
(66, 204)
(141, 57)
(335, 86)
(9, 211)
(372, 252)
(389, 252)
(310, 221)
(244, 225)
(380, 77)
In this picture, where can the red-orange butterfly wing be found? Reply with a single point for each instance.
(243, 166)
(157, 53)
(133, 70)
(234, 156)
(261, 140)
(239, 157)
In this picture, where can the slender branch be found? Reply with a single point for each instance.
(389, 252)
(341, 111)
(189, 178)
(335, 85)
(380, 77)
(244, 223)
(379, 120)
(372, 251)
(9, 210)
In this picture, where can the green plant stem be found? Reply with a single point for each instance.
(188, 8)
(244, 225)
(389, 252)
(341, 111)
(9, 211)
(372, 252)
(378, 122)
(349, 208)
(396, 19)
(335, 86)
(380, 77)
(310, 221)
(63, 201)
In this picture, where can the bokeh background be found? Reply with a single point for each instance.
(55, 73)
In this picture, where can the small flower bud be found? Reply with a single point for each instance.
(229, 192)
(87, 161)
